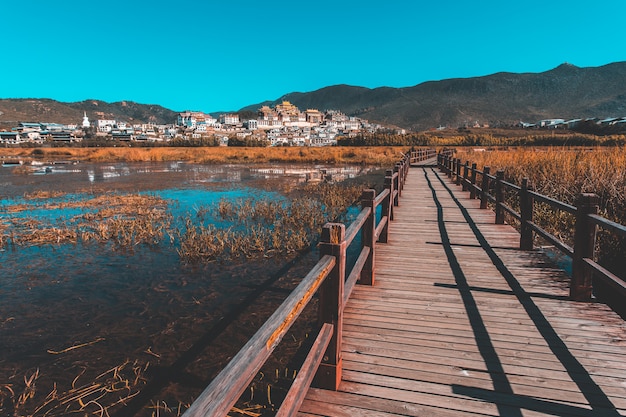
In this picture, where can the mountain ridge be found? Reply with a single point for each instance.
(502, 98)
(566, 91)
(49, 110)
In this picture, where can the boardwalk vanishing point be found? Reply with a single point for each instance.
(461, 322)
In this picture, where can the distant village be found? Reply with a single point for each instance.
(283, 125)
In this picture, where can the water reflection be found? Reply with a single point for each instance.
(137, 303)
(62, 176)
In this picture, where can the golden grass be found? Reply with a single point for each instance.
(124, 220)
(96, 397)
(563, 174)
(264, 228)
(384, 155)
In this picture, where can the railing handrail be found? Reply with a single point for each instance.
(328, 277)
(218, 398)
(584, 267)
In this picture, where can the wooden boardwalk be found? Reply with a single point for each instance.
(461, 322)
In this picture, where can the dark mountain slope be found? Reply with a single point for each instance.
(502, 98)
(46, 110)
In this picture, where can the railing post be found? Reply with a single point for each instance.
(407, 166)
(449, 166)
(368, 237)
(330, 309)
(458, 171)
(526, 214)
(584, 247)
(473, 181)
(396, 185)
(485, 188)
(465, 169)
(499, 197)
(387, 206)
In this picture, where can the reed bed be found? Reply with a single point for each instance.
(563, 174)
(94, 397)
(263, 227)
(256, 227)
(42, 195)
(4, 238)
(379, 155)
(124, 220)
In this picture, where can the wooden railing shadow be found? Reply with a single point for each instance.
(508, 402)
(585, 268)
(334, 283)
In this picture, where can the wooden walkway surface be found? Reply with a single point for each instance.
(461, 322)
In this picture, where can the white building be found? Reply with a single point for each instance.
(252, 124)
(229, 119)
(86, 124)
(105, 126)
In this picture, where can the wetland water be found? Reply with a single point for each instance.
(78, 316)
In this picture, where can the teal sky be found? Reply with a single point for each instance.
(219, 56)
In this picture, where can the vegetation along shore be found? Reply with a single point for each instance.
(385, 155)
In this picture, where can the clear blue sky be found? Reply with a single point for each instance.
(218, 56)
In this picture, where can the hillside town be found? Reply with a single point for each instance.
(282, 125)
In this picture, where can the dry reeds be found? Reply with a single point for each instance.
(264, 227)
(257, 227)
(97, 397)
(563, 173)
(380, 155)
(41, 195)
(124, 220)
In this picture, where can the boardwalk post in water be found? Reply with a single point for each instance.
(368, 236)
(526, 214)
(484, 195)
(584, 247)
(332, 243)
(499, 197)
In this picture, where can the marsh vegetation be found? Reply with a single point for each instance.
(109, 291)
(562, 174)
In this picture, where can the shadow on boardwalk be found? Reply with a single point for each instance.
(502, 394)
(461, 322)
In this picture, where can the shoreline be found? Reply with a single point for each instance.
(383, 155)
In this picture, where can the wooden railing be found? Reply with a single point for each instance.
(323, 364)
(418, 155)
(584, 266)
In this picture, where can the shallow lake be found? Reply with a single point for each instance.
(71, 312)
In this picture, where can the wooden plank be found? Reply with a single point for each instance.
(446, 374)
(413, 346)
(329, 400)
